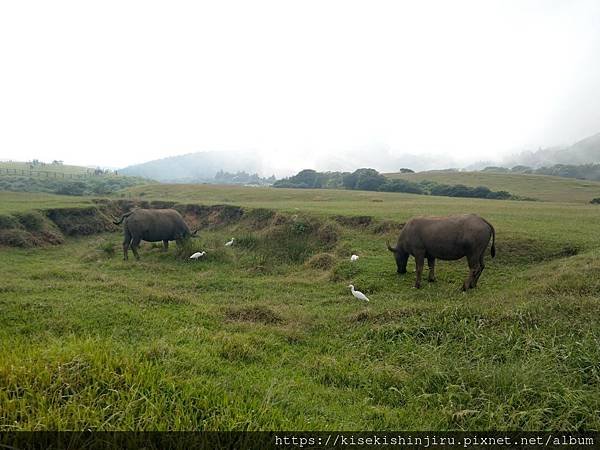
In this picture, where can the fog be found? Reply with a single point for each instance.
(328, 85)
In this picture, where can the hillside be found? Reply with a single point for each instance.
(196, 167)
(539, 187)
(63, 179)
(20, 167)
(585, 151)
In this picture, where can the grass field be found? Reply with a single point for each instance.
(541, 187)
(557, 222)
(12, 202)
(59, 168)
(265, 335)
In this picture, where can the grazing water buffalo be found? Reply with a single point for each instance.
(446, 238)
(152, 225)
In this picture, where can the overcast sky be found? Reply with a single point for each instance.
(114, 83)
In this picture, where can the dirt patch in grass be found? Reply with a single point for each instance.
(29, 229)
(202, 216)
(354, 221)
(18, 238)
(255, 314)
(387, 226)
(81, 221)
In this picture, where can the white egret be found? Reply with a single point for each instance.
(197, 255)
(354, 258)
(229, 243)
(359, 295)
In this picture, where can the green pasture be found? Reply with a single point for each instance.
(266, 335)
(541, 187)
(13, 202)
(48, 167)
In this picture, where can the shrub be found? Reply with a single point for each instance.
(329, 234)
(7, 222)
(344, 271)
(72, 188)
(399, 185)
(321, 261)
(595, 201)
(108, 248)
(32, 221)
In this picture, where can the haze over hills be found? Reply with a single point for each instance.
(203, 166)
(197, 167)
(585, 151)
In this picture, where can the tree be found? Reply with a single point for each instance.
(364, 179)
(405, 170)
(400, 185)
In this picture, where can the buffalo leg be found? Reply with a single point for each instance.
(420, 262)
(431, 264)
(473, 269)
(481, 267)
(165, 245)
(135, 244)
(126, 243)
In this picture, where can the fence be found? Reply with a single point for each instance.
(53, 174)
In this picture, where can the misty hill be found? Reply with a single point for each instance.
(586, 151)
(196, 167)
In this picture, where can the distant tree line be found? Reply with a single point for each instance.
(242, 177)
(582, 171)
(370, 180)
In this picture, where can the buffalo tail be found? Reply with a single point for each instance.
(118, 222)
(493, 249)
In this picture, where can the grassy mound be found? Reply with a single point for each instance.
(28, 229)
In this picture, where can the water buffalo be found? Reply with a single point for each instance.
(152, 225)
(446, 238)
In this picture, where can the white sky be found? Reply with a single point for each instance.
(114, 83)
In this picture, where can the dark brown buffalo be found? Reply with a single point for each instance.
(446, 238)
(152, 225)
